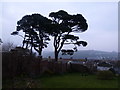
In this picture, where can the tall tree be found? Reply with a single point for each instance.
(63, 24)
(34, 26)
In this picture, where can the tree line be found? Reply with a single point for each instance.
(38, 29)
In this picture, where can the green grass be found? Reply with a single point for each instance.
(75, 80)
(72, 80)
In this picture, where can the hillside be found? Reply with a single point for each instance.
(90, 54)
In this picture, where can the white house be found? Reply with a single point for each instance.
(104, 66)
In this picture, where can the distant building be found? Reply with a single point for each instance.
(77, 62)
(104, 66)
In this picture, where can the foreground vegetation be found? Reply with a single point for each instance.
(72, 80)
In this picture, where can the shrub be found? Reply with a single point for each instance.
(112, 70)
(48, 72)
(105, 75)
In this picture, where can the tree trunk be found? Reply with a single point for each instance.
(40, 52)
(56, 55)
(31, 45)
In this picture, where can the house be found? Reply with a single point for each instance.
(104, 66)
(76, 62)
(20, 51)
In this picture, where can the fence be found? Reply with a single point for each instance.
(14, 64)
(58, 67)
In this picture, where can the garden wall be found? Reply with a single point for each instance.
(14, 64)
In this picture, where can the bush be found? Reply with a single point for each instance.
(105, 75)
(112, 70)
(48, 72)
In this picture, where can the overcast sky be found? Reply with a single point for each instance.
(102, 19)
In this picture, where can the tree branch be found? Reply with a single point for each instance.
(62, 43)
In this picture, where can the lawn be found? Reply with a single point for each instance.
(72, 80)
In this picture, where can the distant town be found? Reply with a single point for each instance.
(89, 54)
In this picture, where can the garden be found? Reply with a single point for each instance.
(68, 80)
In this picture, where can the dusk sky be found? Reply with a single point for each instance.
(102, 19)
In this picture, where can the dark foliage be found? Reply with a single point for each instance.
(105, 75)
(35, 27)
(63, 24)
(67, 52)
